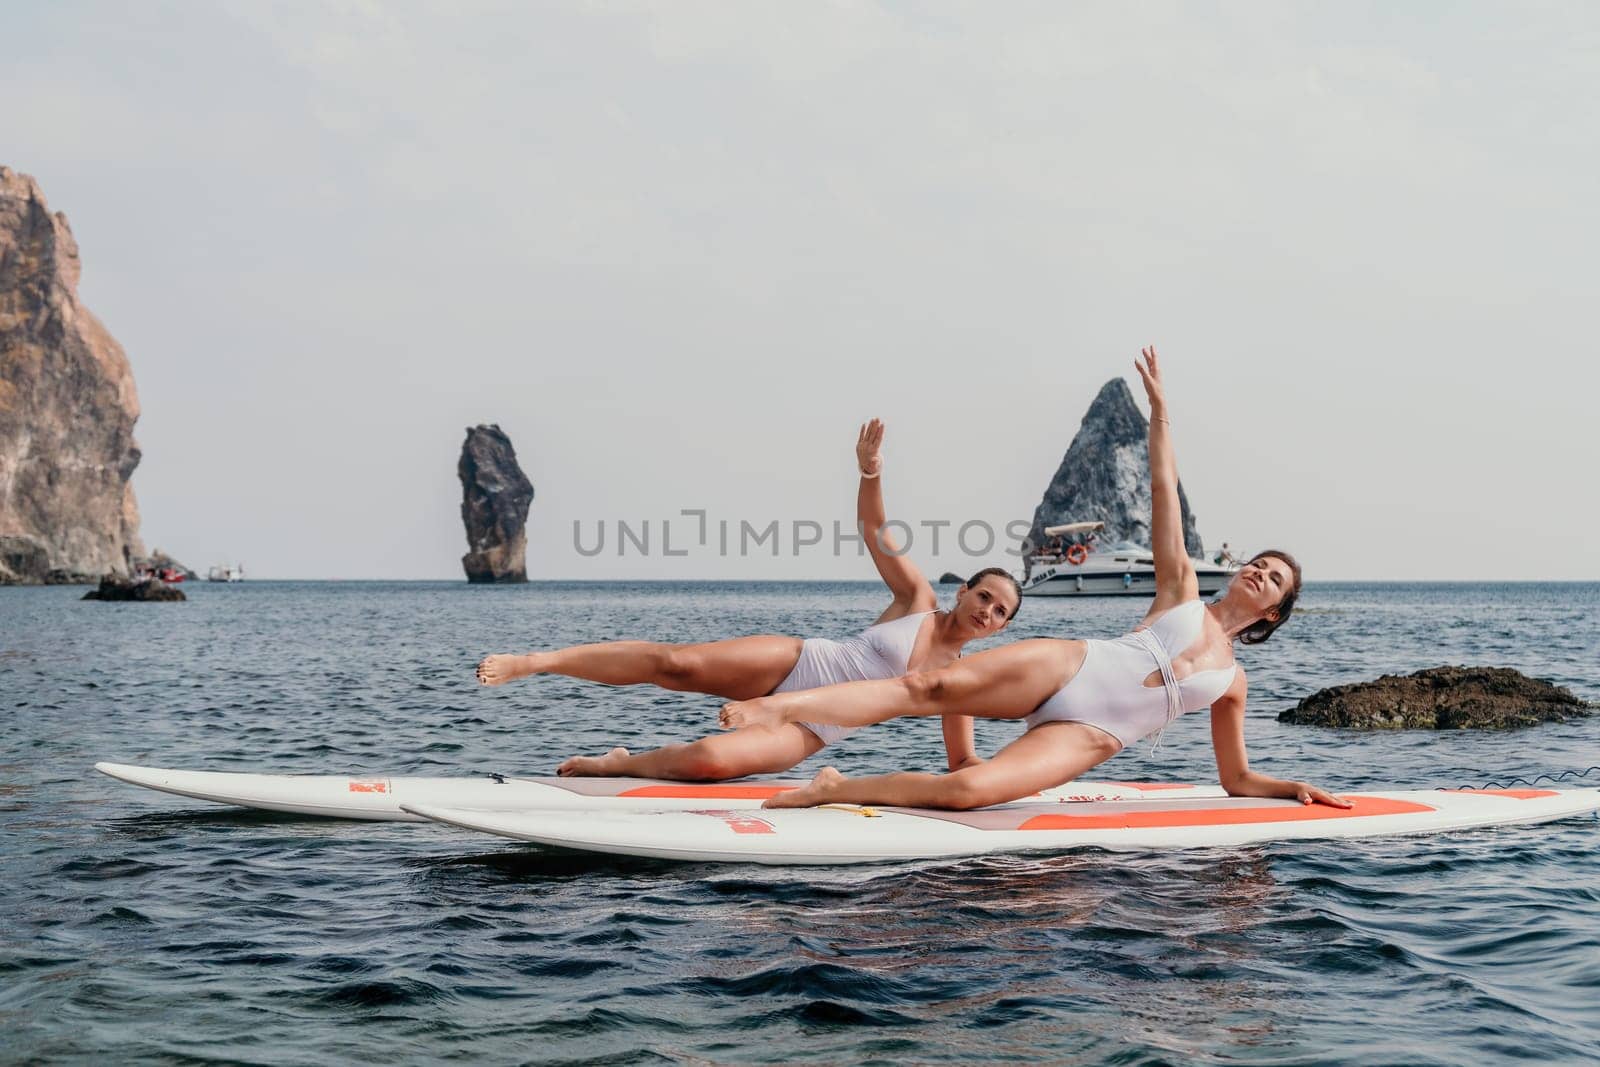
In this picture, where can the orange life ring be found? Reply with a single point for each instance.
(1077, 554)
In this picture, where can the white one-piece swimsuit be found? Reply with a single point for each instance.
(1109, 693)
(878, 652)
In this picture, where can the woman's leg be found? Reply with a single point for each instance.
(756, 750)
(1046, 756)
(1001, 683)
(736, 669)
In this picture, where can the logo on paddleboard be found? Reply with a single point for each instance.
(369, 785)
(741, 822)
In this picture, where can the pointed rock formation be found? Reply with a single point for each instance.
(494, 507)
(1105, 476)
(67, 408)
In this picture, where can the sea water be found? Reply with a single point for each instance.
(143, 927)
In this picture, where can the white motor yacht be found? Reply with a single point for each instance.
(1120, 569)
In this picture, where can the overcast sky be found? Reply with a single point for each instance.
(680, 251)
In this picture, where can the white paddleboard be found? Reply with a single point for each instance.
(379, 797)
(848, 834)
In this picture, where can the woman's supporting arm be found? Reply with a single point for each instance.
(1175, 579)
(960, 748)
(906, 582)
(1233, 765)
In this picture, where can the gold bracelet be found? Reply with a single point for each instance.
(868, 477)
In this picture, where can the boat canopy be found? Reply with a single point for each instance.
(1072, 528)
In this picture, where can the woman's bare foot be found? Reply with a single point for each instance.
(606, 766)
(737, 714)
(498, 670)
(809, 796)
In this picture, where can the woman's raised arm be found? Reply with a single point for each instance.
(906, 582)
(1175, 579)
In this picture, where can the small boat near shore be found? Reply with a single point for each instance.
(1120, 569)
(222, 572)
(169, 575)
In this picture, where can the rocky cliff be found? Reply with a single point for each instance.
(494, 507)
(67, 408)
(1105, 476)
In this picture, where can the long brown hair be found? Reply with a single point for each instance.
(1262, 629)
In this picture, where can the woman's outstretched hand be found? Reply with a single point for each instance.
(869, 448)
(1150, 370)
(1306, 793)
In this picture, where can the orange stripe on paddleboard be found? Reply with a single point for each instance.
(1223, 816)
(707, 792)
(1519, 794)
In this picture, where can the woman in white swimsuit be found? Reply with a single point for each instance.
(911, 635)
(1082, 700)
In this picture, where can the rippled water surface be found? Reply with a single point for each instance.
(139, 926)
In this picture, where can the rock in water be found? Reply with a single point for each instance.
(67, 408)
(1105, 476)
(116, 587)
(494, 507)
(1439, 698)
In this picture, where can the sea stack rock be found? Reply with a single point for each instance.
(494, 507)
(1439, 698)
(1105, 476)
(67, 408)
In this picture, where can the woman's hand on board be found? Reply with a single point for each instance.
(1306, 793)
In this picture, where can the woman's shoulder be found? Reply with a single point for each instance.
(1169, 614)
(891, 617)
(900, 609)
(1240, 683)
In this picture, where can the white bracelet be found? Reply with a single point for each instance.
(868, 477)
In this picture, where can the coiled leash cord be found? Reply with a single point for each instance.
(1553, 779)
